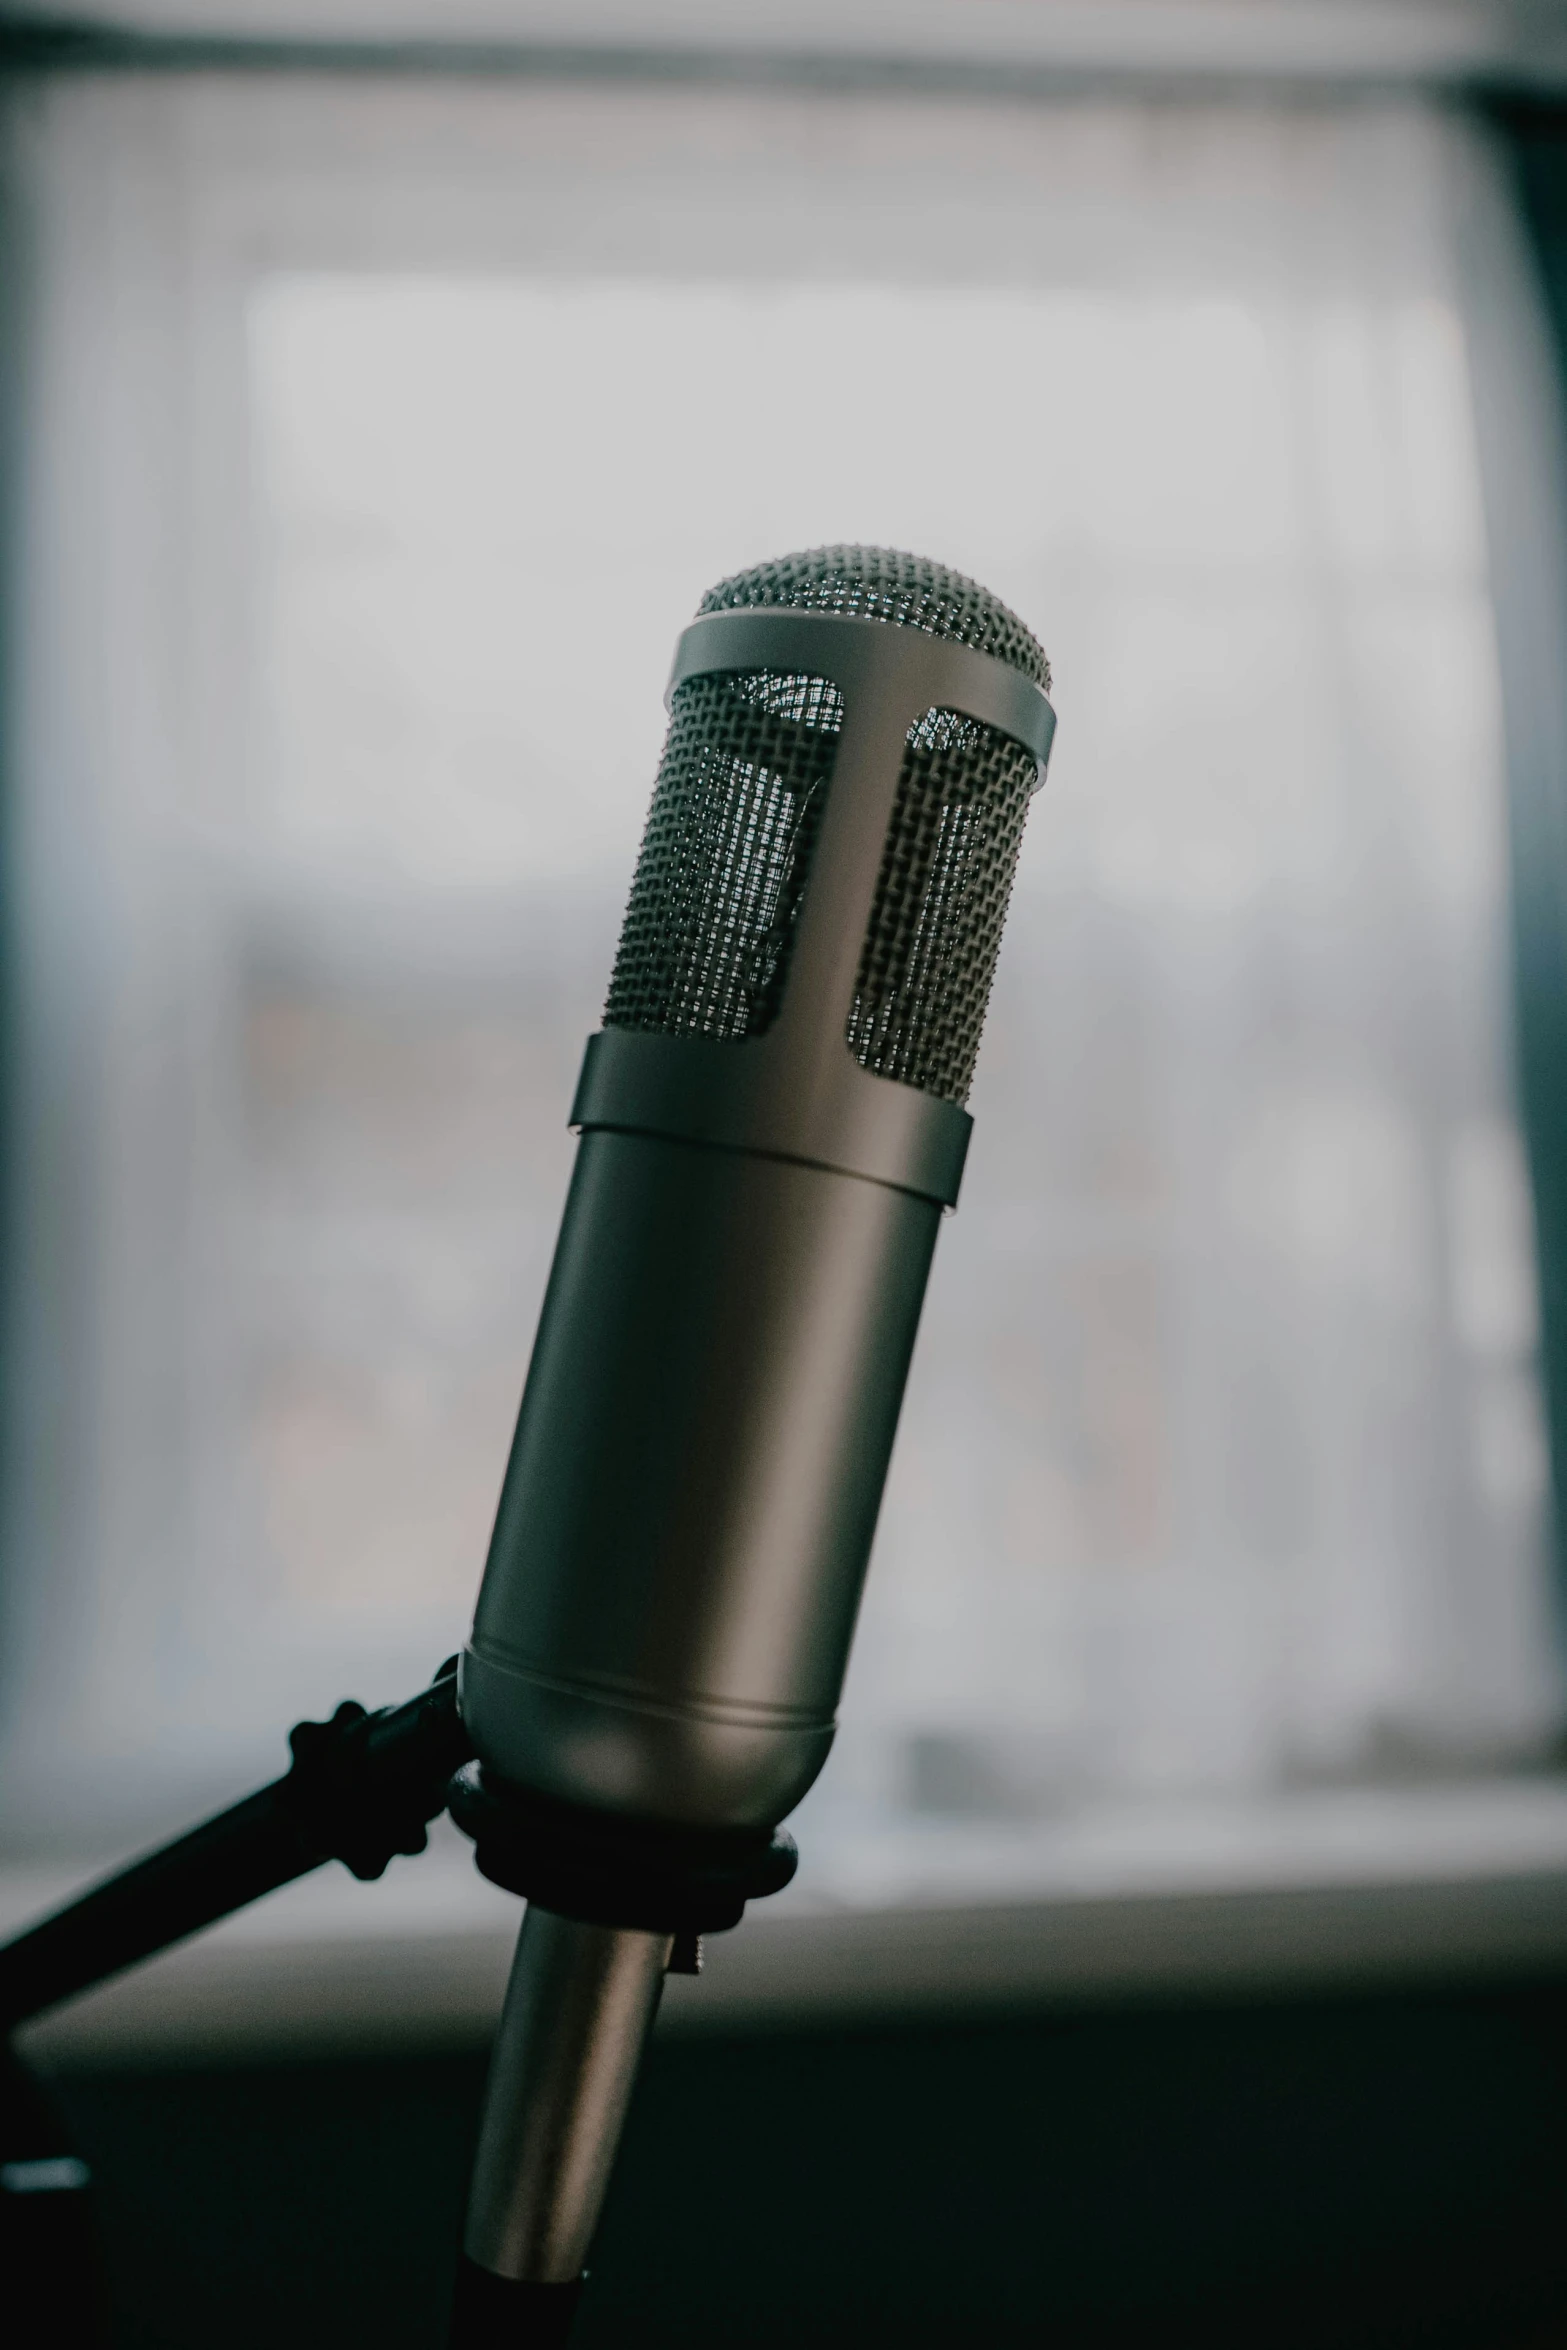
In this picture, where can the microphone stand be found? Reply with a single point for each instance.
(361, 1788)
(613, 1906)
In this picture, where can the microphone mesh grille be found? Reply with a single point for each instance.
(934, 934)
(704, 949)
(745, 775)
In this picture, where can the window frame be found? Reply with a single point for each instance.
(1519, 406)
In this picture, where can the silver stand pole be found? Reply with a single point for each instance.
(579, 2008)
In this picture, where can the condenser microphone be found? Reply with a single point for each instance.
(772, 1124)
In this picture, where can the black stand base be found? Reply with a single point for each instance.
(497, 2313)
(48, 2237)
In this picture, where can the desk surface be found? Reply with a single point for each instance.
(1348, 1888)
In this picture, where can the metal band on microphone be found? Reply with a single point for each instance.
(920, 671)
(688, 1089)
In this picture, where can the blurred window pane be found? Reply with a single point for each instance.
(411, 432)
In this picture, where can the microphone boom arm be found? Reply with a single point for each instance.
(361, 1788)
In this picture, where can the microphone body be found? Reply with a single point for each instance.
(666, 1613)
(695, 1480)
(772, 1126)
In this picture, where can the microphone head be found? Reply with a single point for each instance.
(739, 807)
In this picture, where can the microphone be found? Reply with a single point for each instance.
(772, 1124)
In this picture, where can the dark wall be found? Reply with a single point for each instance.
(1534, 140)
(1360, 2171)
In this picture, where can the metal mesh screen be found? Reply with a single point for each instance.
(878, 583)
(941, 899)
(705, 945)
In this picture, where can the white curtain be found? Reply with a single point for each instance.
(378, 440)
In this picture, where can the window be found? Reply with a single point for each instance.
(383, 437)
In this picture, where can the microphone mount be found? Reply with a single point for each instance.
(607, 1871)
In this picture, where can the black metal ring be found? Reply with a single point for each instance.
(611, 1872)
